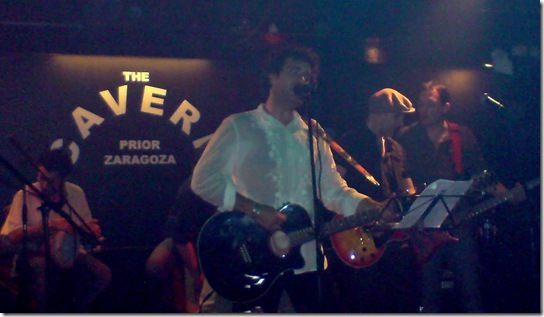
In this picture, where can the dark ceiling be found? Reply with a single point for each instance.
(463, 31)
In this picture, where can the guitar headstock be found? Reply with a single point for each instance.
(484, 182)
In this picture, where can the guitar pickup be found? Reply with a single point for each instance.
(244, 254)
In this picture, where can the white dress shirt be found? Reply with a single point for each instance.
(254, 154)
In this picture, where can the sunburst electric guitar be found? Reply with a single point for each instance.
(362, 247)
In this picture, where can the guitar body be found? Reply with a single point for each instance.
(235, 256)
(426, 241)
(358, 248)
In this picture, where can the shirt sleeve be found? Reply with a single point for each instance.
(14, 219)
(212, 179)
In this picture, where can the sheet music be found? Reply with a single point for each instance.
(450, 191)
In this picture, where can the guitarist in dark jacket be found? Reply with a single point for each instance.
(439, 149)
(385, 283)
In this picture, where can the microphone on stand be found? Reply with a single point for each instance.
(345, 155)
(487, 99)
(26, 158)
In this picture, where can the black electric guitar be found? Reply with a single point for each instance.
(241, 260)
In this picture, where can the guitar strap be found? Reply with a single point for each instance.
(456, 146)
(390, 176)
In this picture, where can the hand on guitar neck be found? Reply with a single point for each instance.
(392, 211)
(378, 213)
(488, 182)
(517, 193)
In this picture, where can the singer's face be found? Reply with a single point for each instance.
(292, 73)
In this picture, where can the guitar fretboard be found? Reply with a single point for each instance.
(302, 236)
(494, 202)
(342, 224)
(486, 205)
(299, 237)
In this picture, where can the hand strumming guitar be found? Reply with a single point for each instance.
(268, 217)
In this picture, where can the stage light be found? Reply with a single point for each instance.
(273, 36)
(373, 51)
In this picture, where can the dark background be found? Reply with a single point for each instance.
(415, 41)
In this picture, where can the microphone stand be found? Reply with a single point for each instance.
(505, 114)
(345, 155)
(22, 264)
(435, 199)
(47, 249)
(309, 102)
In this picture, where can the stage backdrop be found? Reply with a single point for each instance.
(131, 124)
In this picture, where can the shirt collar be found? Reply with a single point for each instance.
(296, 124)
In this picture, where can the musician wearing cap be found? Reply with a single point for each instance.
(389, 264)
(73, 269)
(374, 147)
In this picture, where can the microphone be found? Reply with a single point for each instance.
(487, 99)
(304, 92)
(22, 149)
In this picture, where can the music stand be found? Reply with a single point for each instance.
(433, 206)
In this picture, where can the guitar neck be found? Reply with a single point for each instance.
(299, 237)
(494, 202)
(342, 224)
(486, 205)
(329, 228)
